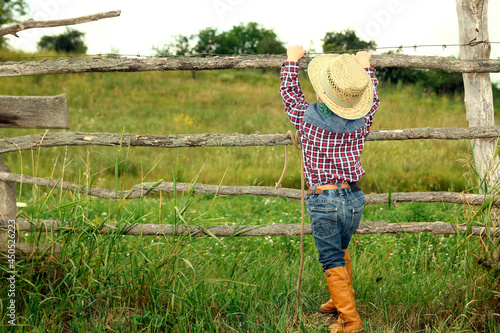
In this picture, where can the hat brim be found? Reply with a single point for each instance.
(361, 109)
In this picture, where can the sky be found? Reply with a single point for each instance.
(147, 23)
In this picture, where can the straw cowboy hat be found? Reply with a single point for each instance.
(342, 84)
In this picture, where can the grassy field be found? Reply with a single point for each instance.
(117, 283)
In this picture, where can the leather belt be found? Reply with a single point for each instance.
(321, 188)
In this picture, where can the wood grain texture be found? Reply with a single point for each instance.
(13, 29)
(114, 64)
(436, 228)
(34, 112)
(56, 139)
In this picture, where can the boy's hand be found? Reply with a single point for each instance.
(294, 53)
(363, 58)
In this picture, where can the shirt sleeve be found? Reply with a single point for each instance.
(376, 100)
(291, 93)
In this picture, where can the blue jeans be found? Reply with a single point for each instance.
(335, 216)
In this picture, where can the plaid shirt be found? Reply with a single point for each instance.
(329, 158)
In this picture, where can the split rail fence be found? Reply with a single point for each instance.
(52, 112)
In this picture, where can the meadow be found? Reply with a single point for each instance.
(118, 283)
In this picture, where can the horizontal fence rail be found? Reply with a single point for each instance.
(143, 189)
(54, 139)
(177, 63)
(436, 228)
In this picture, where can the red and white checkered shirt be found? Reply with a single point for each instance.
(329, 158)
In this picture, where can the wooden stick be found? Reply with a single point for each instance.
(30, 24)
(436, 228)
(112, 64)
(473, 28)
(143, 189)
(54, 139)
(8, 209)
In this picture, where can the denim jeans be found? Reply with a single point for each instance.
(335, 216)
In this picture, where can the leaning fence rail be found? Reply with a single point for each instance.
(13, 29)
(144, 189)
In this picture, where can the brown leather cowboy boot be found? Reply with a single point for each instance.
(343, 299)
(329, 307)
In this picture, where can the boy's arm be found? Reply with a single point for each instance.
(290, 89)
(363, 58)
(376, 100)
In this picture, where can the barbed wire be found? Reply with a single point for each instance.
(399, 48)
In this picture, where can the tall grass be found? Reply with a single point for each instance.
(104, 283)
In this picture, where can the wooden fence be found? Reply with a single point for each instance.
(23, 112)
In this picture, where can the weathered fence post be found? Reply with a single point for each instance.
(8, 208)
(473, 35)
(27, 112)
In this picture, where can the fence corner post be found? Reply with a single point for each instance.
(475, 45)
(8, 208)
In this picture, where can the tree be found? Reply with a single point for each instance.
(70, 41)
(344, 41)
(180, 47)
(241, 39)
(249, 39)
(207, 41)
(9, 10)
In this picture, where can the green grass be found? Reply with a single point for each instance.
(118, 283)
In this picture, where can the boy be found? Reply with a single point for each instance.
(333, 133)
